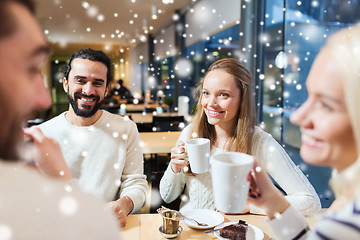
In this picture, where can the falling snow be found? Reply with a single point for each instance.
(5, 232)
(68, 205)
(288, 52)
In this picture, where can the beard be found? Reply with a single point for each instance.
(87, 111)
(10, 142)
(10, 131)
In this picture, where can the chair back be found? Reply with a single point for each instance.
(168, 123)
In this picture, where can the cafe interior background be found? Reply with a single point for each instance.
(162, 48)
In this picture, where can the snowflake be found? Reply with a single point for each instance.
(68, 205)
(84, 154)
(5, 232)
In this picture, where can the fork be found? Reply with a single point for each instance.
(182, 217)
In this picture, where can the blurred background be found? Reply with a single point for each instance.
(162, 48)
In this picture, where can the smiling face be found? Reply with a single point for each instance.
(22, 89)
(86, 86)
(327, 136)
(220, 99)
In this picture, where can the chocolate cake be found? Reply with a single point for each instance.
(235, 231)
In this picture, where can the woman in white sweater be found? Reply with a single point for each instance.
(330, 125)
(226, 116)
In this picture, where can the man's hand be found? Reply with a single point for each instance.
(121, 208)
(47, 155)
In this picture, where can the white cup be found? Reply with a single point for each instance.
(229, 171)
(159, 110)
(198, 151)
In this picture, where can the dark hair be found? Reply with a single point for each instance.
(7, 21)
(93, 55)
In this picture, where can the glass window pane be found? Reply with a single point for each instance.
(307, 26)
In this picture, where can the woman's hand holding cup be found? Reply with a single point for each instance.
(178, 155)
(264, 194)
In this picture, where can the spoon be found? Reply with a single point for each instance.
(198, 223)
(182, 217)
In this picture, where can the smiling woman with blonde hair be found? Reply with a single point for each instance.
(226, 115)
(329, 121)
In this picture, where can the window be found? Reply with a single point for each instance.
(291, 41)
(294, 32)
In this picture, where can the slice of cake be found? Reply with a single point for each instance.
(235, 231)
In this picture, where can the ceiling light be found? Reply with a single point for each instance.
(167, 1)
(153, 12)
(85, 5)
(145, 24)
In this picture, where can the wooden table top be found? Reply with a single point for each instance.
(146, 226)
(134, 107)
(148, 117)
(158, 142)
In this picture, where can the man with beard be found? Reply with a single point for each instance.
(33, 206)
(102, 149)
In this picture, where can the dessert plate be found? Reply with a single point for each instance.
(253, 232)
(210, 217)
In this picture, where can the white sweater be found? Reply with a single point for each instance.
(343, 224)
(35, 207)
(103, 156)
(271, 156)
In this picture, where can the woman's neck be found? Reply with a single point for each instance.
(222, 137)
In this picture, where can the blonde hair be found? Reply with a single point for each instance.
(240, 140)
(344, 48)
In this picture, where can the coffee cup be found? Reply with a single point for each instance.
(229, 171)
(198, 152)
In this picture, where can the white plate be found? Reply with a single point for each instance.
(253, 232)
(211, 218)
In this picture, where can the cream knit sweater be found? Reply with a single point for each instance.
(103, 157)
(271, 156)
(38, 207)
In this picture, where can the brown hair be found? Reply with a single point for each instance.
(8, 129)
(240, 140)
(7, 23)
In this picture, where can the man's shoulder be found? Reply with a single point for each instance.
(117, 120)
(56, 200)
(52, 121)
(53, 126)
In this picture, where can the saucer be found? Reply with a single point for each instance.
(174, 235)
(210, 217)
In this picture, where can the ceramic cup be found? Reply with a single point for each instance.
(198, 151)
(229, 171)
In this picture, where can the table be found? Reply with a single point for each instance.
(146, 226)
(158, 142)
(148, 117)
(135, 107)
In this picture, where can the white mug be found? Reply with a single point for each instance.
(159, 110)
(198, 151)
(229, 171)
